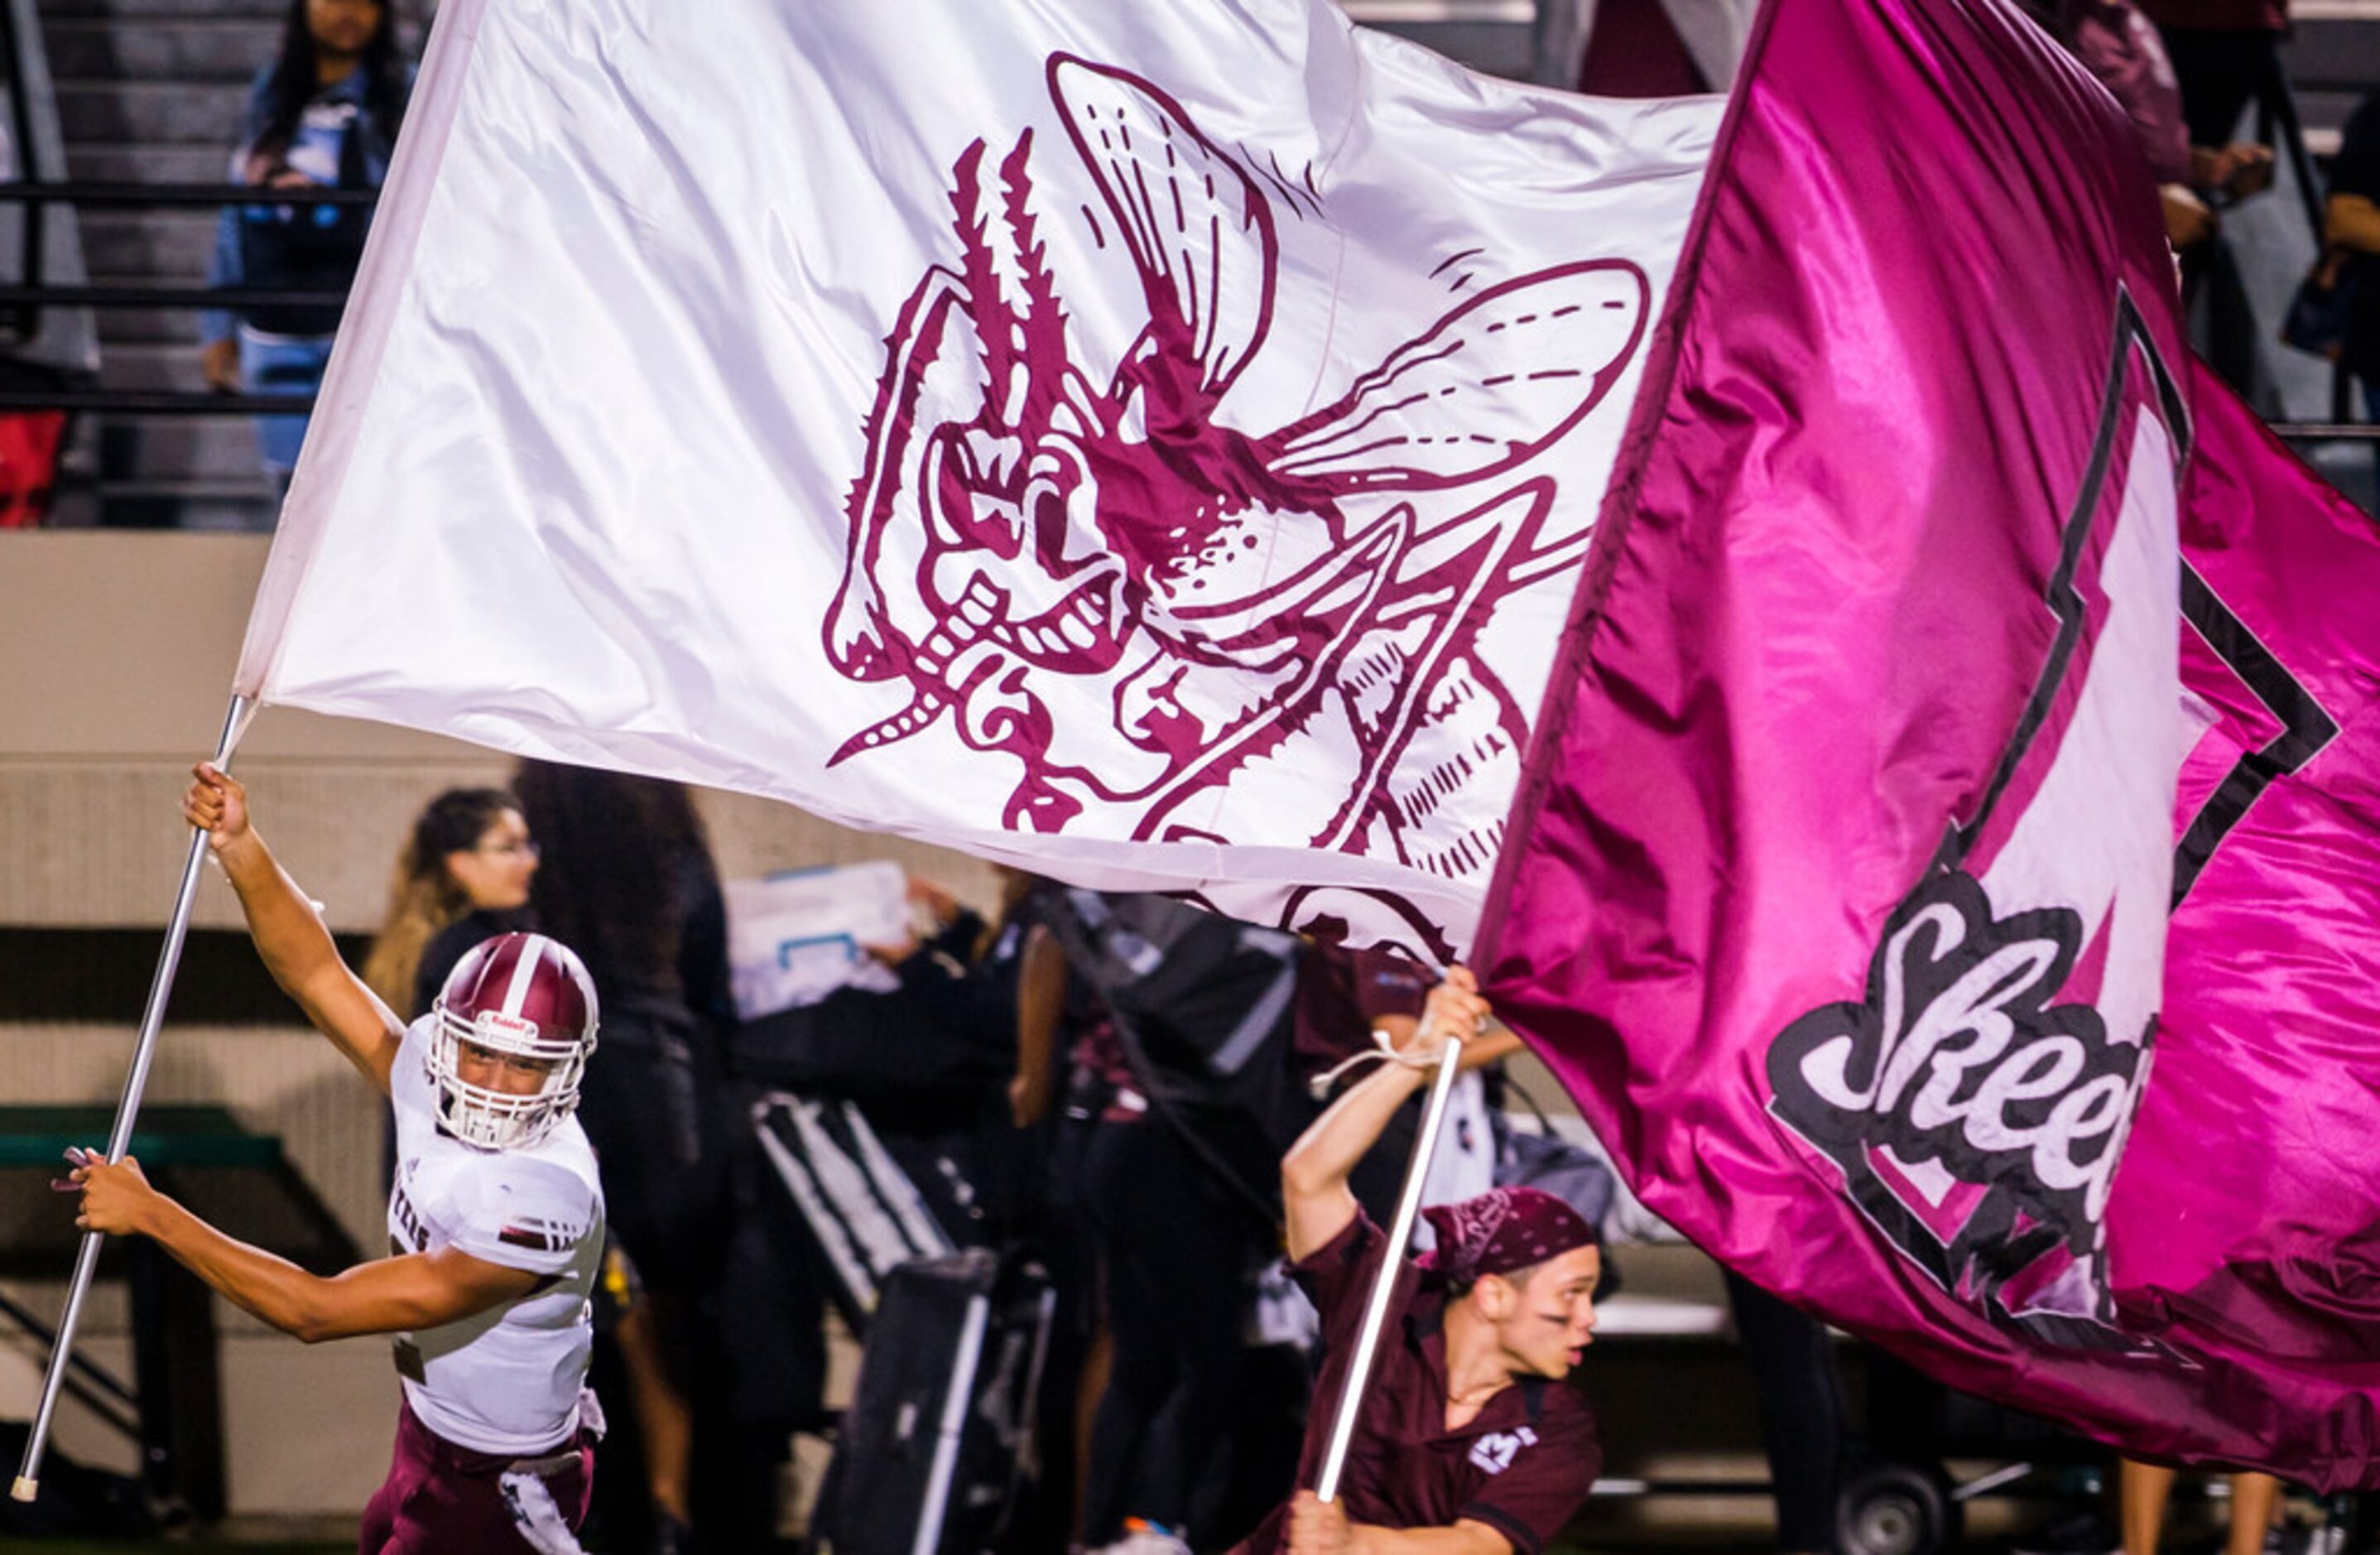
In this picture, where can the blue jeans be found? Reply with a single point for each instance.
(281, 364)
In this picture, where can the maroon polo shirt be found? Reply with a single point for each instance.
(2220, 16)
(1522, 1466)
(1342, 992)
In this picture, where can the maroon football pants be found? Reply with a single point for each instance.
(441, 1498)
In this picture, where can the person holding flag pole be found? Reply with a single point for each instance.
(1442, 1420)
(495, 1220)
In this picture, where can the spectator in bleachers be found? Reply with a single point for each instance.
(2255, 1502)
(962, 978)
(463, 876)
(324, 114)
(2352, 222)
(627, 868)
(1804, 1419)
(1172, 1247)
(2119, 46)
(1053, 1009)
(2199, 168)
(1166, 1163)
(2226, 54)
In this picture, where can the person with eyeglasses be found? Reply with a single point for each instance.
(463, 877)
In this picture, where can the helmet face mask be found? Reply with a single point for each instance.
(517, 996)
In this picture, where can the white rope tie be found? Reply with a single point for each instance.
(1381, 1051)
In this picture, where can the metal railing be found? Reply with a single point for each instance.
(29, 299)
(23, 138)
(91, 192)
(22, 304)
(2326, 431)
(33, 297)
(43, 245)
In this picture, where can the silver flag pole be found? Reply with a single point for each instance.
(1384, 1280)
(128, 1110)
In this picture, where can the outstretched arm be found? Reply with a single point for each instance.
(387, 1295)
(1320, 1527)
(290, 935)
(2353, 222)
(1315, 1195)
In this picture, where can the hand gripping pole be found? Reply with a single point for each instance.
(128, 1110)
(1384, 1280)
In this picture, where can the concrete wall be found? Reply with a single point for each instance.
(119, 651)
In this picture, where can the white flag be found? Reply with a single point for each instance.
(1153, 442)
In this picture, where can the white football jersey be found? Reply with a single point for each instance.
(507, 1380)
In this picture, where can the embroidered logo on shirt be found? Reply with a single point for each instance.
(1494, 1454)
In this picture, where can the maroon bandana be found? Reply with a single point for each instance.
(1500, 1231)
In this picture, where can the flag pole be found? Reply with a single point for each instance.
(127, 1110)
(1384, 1281)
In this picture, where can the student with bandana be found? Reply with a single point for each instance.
(1470, 1439)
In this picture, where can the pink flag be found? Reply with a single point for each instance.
(1848, 834)
(2246, 1222)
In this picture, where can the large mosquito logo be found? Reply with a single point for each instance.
(1226, 594)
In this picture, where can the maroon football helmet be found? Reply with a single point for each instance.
(522, 996)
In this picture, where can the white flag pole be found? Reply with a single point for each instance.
(1393, 1254)
(128, 1110)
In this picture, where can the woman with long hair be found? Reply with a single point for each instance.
(462, 876)
(324, 113)
(628, 866)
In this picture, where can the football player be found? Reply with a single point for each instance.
(496, 1221)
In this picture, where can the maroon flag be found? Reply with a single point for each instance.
(2246, 1222)
(1846, 847)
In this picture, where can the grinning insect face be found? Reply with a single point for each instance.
(1022, 536)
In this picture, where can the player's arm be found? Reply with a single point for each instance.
(1320, 1527)
(1315, 1197)
(1498, 1042)
(1464, 1538)
(412, 1290)
(1041, 1007)
(2352, 221)
(289, 934)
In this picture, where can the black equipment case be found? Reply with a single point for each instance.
(938, 1440)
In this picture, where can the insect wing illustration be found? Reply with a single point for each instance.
(1230, 596)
